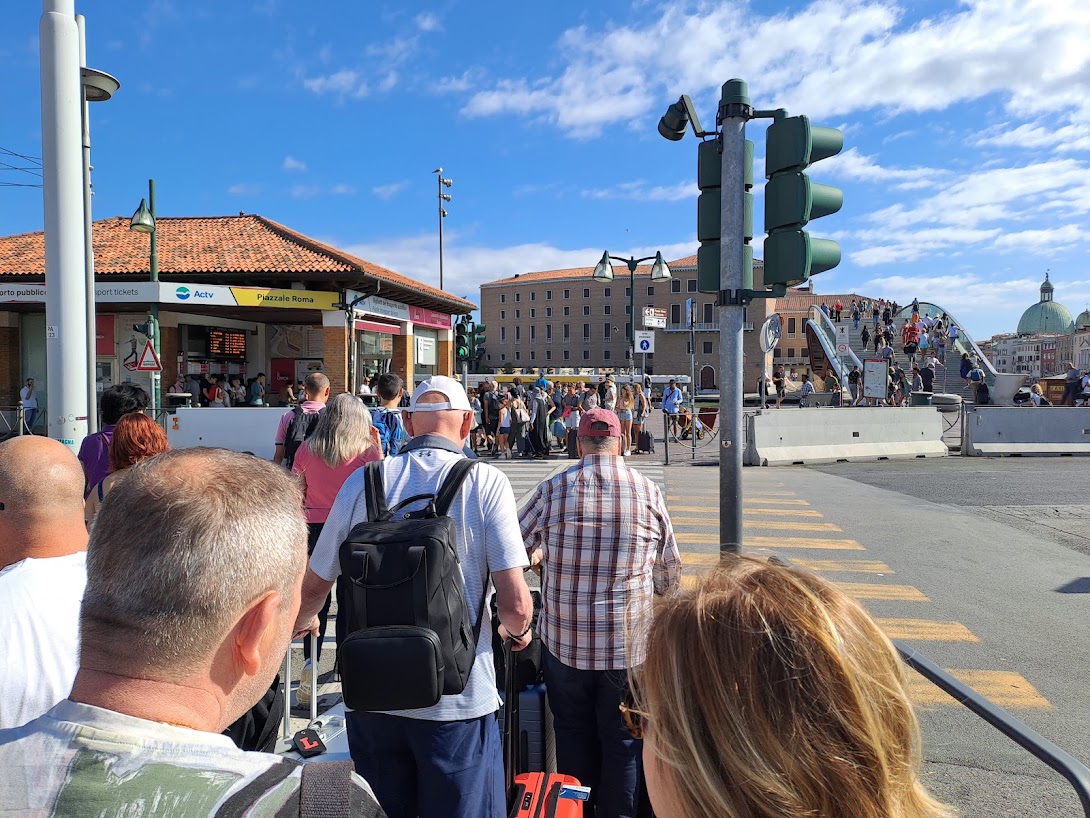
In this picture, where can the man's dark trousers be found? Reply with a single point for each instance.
(592, 742)
(430, 769)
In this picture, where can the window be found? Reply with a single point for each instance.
(567, 354)
(777, 352)
(805, 352)
(790, 352)
(586, 332)
(518, 313)
(567, 311)
(608, 292)
(567, 293)
(533, 295)
(790, 326)
(606, 309)
(518, 334)
(503, 356)
(533, 332)
(650, 290)
(533, 355)
(533, 313)
(675, 285)
(503, 298)
(503, 335)
(548, 312)
(709, 313)
(707, 347)
(606, 354)
(690, 286)
(627, 309)
(548, 355)
(518, 296)
(586, 354)
(607, 332)
(548, 332)
(518, 355)
(548, 295)
(586, 292)
(567, 332)
(627, 292)
(503, 315)
(586, 310)
(675, 314)
(627, 329)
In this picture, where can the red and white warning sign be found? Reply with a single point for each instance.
(149, 361)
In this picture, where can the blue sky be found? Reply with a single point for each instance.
(966, 167)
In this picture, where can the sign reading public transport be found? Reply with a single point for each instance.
(163, 292)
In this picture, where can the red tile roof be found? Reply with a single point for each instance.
(619, 270)
(222, 246)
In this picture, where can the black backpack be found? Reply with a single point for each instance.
(301, 427)
(410, 640)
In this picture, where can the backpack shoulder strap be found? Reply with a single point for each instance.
(375, 491)
(455, 477)
(326, 790)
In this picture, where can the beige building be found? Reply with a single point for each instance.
(561, 319)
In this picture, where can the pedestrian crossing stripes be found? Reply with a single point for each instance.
(926, 630)
(879, 591)
(848, 566)
(1005, 688)
(804, 542)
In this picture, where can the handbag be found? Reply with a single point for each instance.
(521, 415)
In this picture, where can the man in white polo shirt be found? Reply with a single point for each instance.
(443, 760)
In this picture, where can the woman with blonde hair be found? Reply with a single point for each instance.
(343, 440)
(624, 415)
(768, 693)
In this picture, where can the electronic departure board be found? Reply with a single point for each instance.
(227, 344)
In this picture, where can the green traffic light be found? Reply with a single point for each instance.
(792, 199)
(793, 143)
(792, 256)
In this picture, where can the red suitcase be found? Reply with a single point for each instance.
(538, 794)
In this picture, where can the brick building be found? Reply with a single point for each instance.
(560, 319)
(237, 295)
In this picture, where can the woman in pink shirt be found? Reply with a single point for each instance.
(342, 441)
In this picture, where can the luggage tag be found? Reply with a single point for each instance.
(308, 743)
(574, 792)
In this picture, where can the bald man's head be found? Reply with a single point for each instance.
(41, 489)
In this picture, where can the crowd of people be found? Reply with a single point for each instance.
(201, 564)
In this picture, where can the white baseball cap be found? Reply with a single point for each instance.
(453, 390)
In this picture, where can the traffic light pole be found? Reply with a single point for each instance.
(734, 110)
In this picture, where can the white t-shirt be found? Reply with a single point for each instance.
(489, 540)
(39, 629)
(29, 398)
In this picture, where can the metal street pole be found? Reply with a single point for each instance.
(632, 320)
(88, 249)
(442, 213)
(65, 283)
(154, 317)
(692, 371)
(734, 110)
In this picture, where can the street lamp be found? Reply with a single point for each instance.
(95, 86)
(443, 197)
(143, 221)
(603, 273)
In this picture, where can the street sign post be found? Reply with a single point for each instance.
(645, 341)
(654, 318)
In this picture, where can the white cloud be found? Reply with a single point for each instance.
(388, 82)
(641, 191)
(244, 189)
(342, 189)
(393, 51)
(305, 191)
(390, 190)
(428, 22)
(342, 83)
(467, 266)
(291, 163)
(1042, 240)
(855, 166)
(459, 84)
(1030, 53)
(1031, 136)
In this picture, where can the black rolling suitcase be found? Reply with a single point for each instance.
(573, 445)
(646, 442)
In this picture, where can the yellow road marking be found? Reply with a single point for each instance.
(697, 539)
(1004, 688)
(794, 512)
(699, 558)
(874, 590)
(804, 542)
(705, 509)
(926, 629)
(774, 501)
(776, 525)
(855, 566)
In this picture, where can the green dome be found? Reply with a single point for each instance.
(1083, 320)
(1046, 317)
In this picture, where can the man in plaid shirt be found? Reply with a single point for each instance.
(602, 534)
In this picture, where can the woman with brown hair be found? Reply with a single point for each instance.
(768, 693)
(136, 437)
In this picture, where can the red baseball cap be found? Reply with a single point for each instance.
(599, 416)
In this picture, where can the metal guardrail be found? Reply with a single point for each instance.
(1076, 773)
(7, 428)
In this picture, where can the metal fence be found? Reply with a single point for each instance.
(17, 420)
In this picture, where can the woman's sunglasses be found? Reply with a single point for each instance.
(634, 720)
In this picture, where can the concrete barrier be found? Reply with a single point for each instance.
(781, 437)
(993, 431)
(243, 429)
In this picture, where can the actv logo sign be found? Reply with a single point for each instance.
(184, 294)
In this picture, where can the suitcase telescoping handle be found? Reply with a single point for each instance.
(286, 726)
(510, 717)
